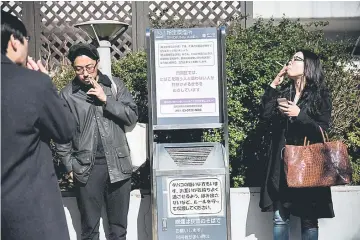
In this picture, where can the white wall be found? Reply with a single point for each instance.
(248, 222)
(306, 9)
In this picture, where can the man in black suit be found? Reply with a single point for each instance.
(31, 114)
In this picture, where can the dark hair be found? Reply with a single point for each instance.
(11, 25)
(315, 89)
(83, 49)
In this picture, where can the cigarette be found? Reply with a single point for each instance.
(279, 63)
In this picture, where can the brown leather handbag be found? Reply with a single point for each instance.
(317, 165)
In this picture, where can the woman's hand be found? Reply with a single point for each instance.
(290, 109)
(279, 78)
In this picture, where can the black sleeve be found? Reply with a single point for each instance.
(54, 115)
(311, 124)
(268, 103)
(64, 151)
(123, 107)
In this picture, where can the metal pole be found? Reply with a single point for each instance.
(105, 57)
(225, 127)
(149, 49)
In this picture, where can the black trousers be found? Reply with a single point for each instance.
(97, 192)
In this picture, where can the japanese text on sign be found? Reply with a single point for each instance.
(187, 76)
(196, 228)
(195, 196)
(186, 54)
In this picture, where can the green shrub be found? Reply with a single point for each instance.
(250, 67)
(133, 72)
(62, 75)
(251, 56)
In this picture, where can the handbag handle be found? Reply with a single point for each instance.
(322, 133)
(306, 142)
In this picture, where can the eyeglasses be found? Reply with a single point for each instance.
(297, 58)
(89, 68)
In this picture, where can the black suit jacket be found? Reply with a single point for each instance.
(31, 114)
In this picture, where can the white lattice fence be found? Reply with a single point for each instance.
(209, 13)
(58, 18)
(51, 23)
(13, 7)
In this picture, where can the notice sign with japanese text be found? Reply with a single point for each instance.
(195, 196)
(187, 73)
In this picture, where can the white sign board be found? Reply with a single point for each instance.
(195, 196)
(187, 74)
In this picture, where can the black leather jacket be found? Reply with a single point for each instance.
(78, 155)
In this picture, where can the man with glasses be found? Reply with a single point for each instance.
(32, 114)
(98, 157)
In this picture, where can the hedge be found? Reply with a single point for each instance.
(250, 66)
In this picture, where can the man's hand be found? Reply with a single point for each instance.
(290, 110)
(97, 91)
(36, 66)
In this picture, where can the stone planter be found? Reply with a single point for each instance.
(247, 221)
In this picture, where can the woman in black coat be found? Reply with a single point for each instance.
(308, 108)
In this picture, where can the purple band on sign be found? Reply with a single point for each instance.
(187, 101)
